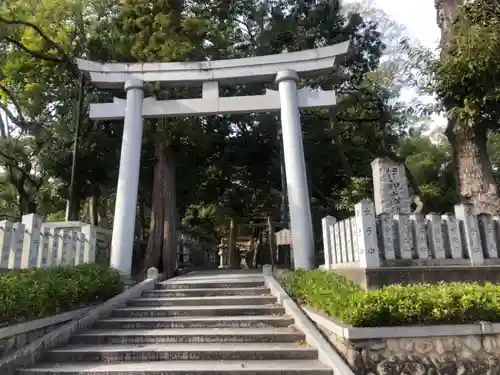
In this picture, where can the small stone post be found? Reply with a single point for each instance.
(32, 224)
(328, 244)
(354, 233)
(453, 237)
(43, 258)
(387, 236)
(5, 241)
(367, 235)
(222, 255)
(16, 246)
(488, 238)
(435, 236)
(90, 243)
(80, 248)
(470, 230)
(152, 273)
(53, 246)
(405, 236)
(420, 235)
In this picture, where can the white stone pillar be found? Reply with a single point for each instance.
(435, 236)
(122, 242)
(470, 230)
(32, 224)
(5, 241)
(328, 244)
(367, 235)
(295, 167)
(89, 251)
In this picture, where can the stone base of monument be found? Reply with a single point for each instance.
(375, 278)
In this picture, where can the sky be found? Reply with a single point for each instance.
(419, 17)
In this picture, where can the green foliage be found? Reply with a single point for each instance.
(395, 305)
(430, 163)
(467, 75)
(359, 188)
(41, 292)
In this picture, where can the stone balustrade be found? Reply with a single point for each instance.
(33, 243)
(368, 240)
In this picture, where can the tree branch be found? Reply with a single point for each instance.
(9, 113)
(14, 101)
(15, 165)
(38, 30)
(64, 58)
(36, 54)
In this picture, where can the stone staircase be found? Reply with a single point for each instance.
(207, 325)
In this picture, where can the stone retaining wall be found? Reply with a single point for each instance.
(10, 344)
(17, 336)
(453, 354)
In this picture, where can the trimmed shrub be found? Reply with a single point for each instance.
(39, 292)
(395, 305)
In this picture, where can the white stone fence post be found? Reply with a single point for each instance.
(368, 240)
(34, 243)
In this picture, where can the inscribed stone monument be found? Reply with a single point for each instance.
(390, 187)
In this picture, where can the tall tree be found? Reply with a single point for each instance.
(465, 80)
(152, 31)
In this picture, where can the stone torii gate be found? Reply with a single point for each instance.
(282, 68)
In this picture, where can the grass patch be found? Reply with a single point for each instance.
(40, 292)
(395, 305)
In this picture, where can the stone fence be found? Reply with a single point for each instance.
(34, 243)
(368, 240)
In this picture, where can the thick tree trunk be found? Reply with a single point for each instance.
(169, 254)
(474, 175)
(475, 180)
(161, 249)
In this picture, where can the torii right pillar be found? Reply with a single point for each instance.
(295, 168)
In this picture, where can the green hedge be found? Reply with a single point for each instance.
(395, 305)
(39, 292)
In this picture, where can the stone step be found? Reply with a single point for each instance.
(258, 291)
(256, 321)
(197, 311)
(204, 301)
(212, 284)
(240, 367)
(194, 335)
(179, 352)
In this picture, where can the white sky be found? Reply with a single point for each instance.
(419, 16)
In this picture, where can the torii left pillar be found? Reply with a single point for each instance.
(122, 243)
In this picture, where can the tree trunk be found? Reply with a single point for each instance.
(161, 249)
(474, 175)
(102, 209)
(93, 204)
(26, 204)
(169, 254)
(475, 180)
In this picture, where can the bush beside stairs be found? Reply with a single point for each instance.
(191, 326)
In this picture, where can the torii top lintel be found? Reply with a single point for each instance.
(252, 69)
